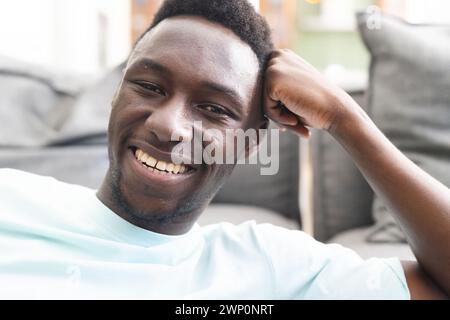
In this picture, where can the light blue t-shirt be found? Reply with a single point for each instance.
(58, 241)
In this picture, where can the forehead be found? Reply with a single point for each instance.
(201, 49)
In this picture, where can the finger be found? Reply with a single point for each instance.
(299, 129)
(276, 111)
(302, 131)
(274, 54)
(281, 127)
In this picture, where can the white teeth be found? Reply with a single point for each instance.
(162, 167)
(151, 161)
(170, 167)
(138, 154)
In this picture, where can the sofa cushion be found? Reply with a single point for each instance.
(34, 103)
(78, 164)
(279, 192)
(356, 239)
(341, 197)
(41, 107)
(88, 121)
(409, 98)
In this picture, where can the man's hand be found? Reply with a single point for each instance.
(298, 96)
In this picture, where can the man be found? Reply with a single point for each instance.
(137, 237)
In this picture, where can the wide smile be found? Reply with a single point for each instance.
(150, 166)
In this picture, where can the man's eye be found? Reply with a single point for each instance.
(151, 87)
(215, 109)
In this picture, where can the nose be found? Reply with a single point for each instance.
(169, 122)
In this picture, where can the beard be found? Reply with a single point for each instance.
(186, 209)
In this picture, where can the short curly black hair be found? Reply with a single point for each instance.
(236, 15)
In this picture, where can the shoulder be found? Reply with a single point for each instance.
(27, 197)
(303, 267)
(14, 183)
(264, 237)
(10, 178)
(420, 284)
(7, 173)
(14, 180)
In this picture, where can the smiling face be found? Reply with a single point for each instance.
(185, 69)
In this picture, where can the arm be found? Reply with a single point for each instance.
(420, 285)
(419, 202)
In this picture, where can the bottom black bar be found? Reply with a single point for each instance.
(226, 309)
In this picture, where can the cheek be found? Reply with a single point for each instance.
(126, 112)
(226, 146)
(119, 131)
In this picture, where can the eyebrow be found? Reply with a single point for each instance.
(225, 90)
(147, 63)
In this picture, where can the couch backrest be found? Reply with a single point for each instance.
(278, 192)
(341, 199)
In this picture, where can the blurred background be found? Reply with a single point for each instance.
(89, 36)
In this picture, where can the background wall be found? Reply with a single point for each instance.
(89, 36)
(83, 36)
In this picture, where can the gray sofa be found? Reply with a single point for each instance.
(341, 199)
